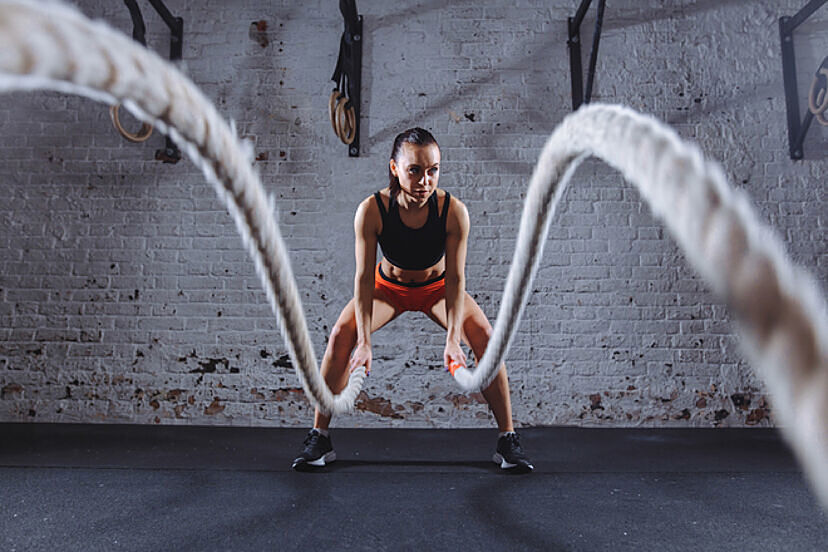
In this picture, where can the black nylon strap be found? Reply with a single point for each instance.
(383, 214)
(444, 214)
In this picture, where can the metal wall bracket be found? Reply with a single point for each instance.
(797, 129)
(574, 42)
(170, 153)
(348, 78)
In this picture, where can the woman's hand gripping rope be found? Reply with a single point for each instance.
(361, 358)
(453, 357)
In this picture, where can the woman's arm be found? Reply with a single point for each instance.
(366, 230)
(457, 233)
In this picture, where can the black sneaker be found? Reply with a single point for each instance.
(510, 454)
(317, 453)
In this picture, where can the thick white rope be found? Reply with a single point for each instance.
(49, 45)
(779, 308)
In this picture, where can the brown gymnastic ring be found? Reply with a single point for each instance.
(818, 98)
(141, 136)
(345, 122)
(335, 95)
(340, 121)
(351, 112)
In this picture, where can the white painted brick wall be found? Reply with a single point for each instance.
(125, 295)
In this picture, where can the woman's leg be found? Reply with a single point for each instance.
(342, 341)
(476, 333)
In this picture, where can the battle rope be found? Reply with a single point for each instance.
(780, 312)
(779, 309)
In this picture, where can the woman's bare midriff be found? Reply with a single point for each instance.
(413, 276)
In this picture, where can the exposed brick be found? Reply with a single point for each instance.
(114, 266)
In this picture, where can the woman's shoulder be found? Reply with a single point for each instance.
(368, 211)
(455, 203)
(384, 195)
(457, 216)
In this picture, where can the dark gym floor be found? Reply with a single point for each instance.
(127, 487)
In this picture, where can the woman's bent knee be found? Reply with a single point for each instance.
(479, 337)
(342, 339)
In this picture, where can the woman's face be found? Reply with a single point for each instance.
(418, 169)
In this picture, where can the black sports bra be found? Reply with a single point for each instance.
(413, 248)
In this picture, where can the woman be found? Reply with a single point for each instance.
(422, 232)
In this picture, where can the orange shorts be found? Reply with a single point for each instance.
(409, 297)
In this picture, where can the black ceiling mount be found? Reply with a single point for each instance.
(345, 99)
(574, 42)
(797, 129)
(170, 153)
